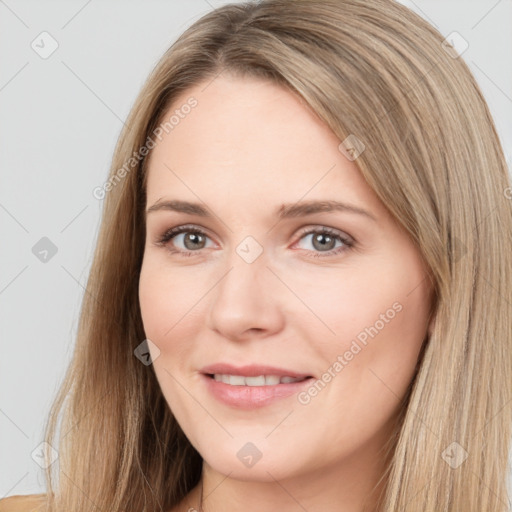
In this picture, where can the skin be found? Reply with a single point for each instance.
(246, 148)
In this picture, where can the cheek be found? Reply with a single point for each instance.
(170, 321)
(378, 299)
(373, 324)
(168, 313)
(154, 301)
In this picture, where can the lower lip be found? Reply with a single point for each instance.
(252, 397)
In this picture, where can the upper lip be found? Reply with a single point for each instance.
(251, 370)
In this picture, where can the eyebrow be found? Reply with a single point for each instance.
(285, 211)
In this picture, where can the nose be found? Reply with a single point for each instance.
(247, 301)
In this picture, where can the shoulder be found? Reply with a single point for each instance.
(27, 503)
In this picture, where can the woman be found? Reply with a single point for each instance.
(339, 339)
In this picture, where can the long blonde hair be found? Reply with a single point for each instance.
(377, 71)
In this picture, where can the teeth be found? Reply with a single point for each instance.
(254, 381)
(271, 380)
(261, 380)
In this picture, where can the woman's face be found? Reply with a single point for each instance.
(254, 279)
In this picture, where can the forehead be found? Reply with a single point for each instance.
(249, 140)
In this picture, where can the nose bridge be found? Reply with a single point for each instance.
(250, 250)
(248, 269)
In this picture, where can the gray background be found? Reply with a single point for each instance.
(61, 117)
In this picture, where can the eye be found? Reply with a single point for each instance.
(193, 239)
(323, 240)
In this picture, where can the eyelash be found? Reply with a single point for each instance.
(348, 243)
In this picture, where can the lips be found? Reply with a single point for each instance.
(252, 397)
(239, 386)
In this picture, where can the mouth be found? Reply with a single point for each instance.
(248, 392)
(252, 386)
